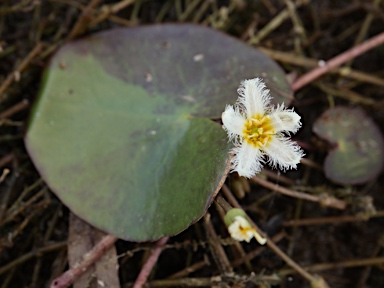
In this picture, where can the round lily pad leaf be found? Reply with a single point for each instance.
(122, 130)
(358, 143)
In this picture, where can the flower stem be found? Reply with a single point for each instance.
(223, 203)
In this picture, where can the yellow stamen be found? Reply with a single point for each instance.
(258, 131)
(244, 230)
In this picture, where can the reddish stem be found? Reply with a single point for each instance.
(151, 261)
(89, 259)
(337, 61)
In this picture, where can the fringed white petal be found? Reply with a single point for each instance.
(252, 105)
(233, 122)
(248, 160)
(254, 97)
(283, 153)
(285, 120)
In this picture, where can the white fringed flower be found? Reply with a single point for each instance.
(241, 230)
(257, 129)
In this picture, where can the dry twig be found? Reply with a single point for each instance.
(324, 199)
(20, 68)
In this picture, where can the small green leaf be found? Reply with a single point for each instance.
(358, 153)
(122, 130)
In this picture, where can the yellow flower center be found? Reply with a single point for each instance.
(258, 131)
(244, 230)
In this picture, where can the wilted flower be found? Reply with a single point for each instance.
(258, 129)
(241, 230)
(239, 227)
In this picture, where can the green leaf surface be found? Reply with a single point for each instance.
(358, 153)
(122, 130)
